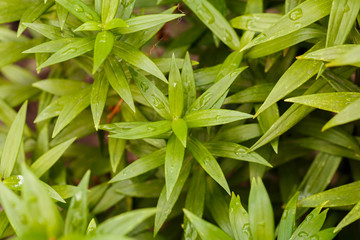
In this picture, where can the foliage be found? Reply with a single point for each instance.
(109, 129)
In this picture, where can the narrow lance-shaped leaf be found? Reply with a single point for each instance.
(89, 26)
(108, 10)
(164, 205)
(140, 23)
(261, 216)
(206, 230)
(348, 114)
(257, 22)
(40, 205)
(62, 14)
(118, 81)
(287, 222)
(239, 219)
(70, 51)
(301, 16)
(125, 222)
(103, 45)
(213, 117)
(152, 94)
(12, 143)
(76, 218)
(116, 151)
(299, 73)
(32, 13)
(99, 93)
(146, 130)
(173, 161)
(215, 21)
(16, 215)
(188, 80)
(79, 9)
(180, 129)
(72, 107)
(176, 96)
(334, 102)
(141, 165)
(351, 217)
(195, 201)
(212, 94)
(135, 57)
(48, 159)
(207, 162)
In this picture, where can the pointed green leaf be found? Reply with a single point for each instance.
(51, 46)
(328, 54)
(60, 87)
(99, 93)
(351, 217)
(70, 51)
(213, 117)
(348, 114)
(89, 26)
(79, 9)
(333, 102)
(116, 152)
(287, 222)
(50, 31)
(299, 73)
(62, 14)
(139, 23)
(301, 16)
(207, 162)
(115, 23)
(173, 161)
(292, 116)
(18, 216)
(152, 94)
(146, 130)
(118, 81)
(135, 57)
(239, 219)
(48, 159)
(125, 222)
(256, 93)
(164, 205)
(40, 205)
(141, 165)
(212, 95)
(180, 129)
(344, 195)
(188, 80)
(77, 215)
(176, 96)
(71, 108)
(108, 10)
(12, 144)
(235, 151)
(103, 45)
(207, 231)
(257, 22)
(32, 13)
(261, 216)
(195, 201)
(215, 21)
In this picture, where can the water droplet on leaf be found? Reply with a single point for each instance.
(296, 14)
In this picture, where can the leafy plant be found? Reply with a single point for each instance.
(127, 119)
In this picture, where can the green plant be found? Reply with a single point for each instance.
(120, 135)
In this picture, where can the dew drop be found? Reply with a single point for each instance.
(314, 238)
(227, 35)
(89, 16)
(144, 86)
(309, 217)
(207, 161)
(151, 129)
(78, 8)
(70, 51)
(205, 99)
(157, 102)
(303, 234)
(240, 152)
(246, 229)
(295, 14)
(347, 8)
(205, 13)
(285, 214)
